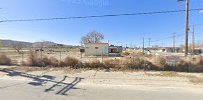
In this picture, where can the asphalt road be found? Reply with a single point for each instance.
(74, 90)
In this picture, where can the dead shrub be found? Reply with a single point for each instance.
(71, 62)
(140, 54)
(161, 64)
(34, 60)
(4, 60)
(96, 64)
(134, 63)
(113, 63)
(54, 62)
(197, 64)
(45, 62)
(183, 66)
(125, 53)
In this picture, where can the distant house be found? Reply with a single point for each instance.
(96, 49)
(170, 49)
(57, 45)
(115, 49)
(198, 51)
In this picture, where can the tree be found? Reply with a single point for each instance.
(18, 47)
(92, 37)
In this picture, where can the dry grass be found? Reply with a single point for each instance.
(70, 62)
(112, 64)
(35, 60)
(4, 60)
(54, 62)
(125, 54)
(123, 64)
(96, 64)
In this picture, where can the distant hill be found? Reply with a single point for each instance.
(44, 43)
(11, 43)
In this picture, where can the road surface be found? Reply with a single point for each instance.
(32, 90)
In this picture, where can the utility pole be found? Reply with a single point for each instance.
(174, 42)
(143, 46)
(149, 40)
(193, 40)
(186, 26)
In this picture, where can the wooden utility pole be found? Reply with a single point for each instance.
(193, 40)
(186, 26)
(174, 42)
(143, 46)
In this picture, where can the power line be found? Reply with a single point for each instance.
(97, 16)
(170, 37)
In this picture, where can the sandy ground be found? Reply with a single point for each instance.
(57, 84)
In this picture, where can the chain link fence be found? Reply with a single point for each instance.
(135, 62)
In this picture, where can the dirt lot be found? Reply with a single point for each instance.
(17, 58)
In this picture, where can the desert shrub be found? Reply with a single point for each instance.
(54, 62)
(71, 62)
(149, 56)
(134, 63)
(34, 60)
(96, 64)
(45, 62)
(139, 64)
(190, 65)
(183, 66)
(125, 53)
(198, 61)
(162, 64)
(150, 66)
(197, 64)
(4, 60)
(113, 63)
(140, 54)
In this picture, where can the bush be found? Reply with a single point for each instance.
(139, 64)
(113, 63)
(183, 66)
(54, 62)
(94, 65)
(45, 62)
(126, 53)
(4, 60)
(197, 64)
(134, 63)
(34, 60)
(70, 61)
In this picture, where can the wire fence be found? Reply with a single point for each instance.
(135, 62)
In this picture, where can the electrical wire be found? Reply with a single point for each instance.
(96, 16)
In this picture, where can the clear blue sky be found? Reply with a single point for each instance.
(118, 30)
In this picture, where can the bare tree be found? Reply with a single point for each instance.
(18, 47)
(92, 37)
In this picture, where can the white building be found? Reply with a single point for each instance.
(96, 49)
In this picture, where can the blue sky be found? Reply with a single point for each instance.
(118, 30)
